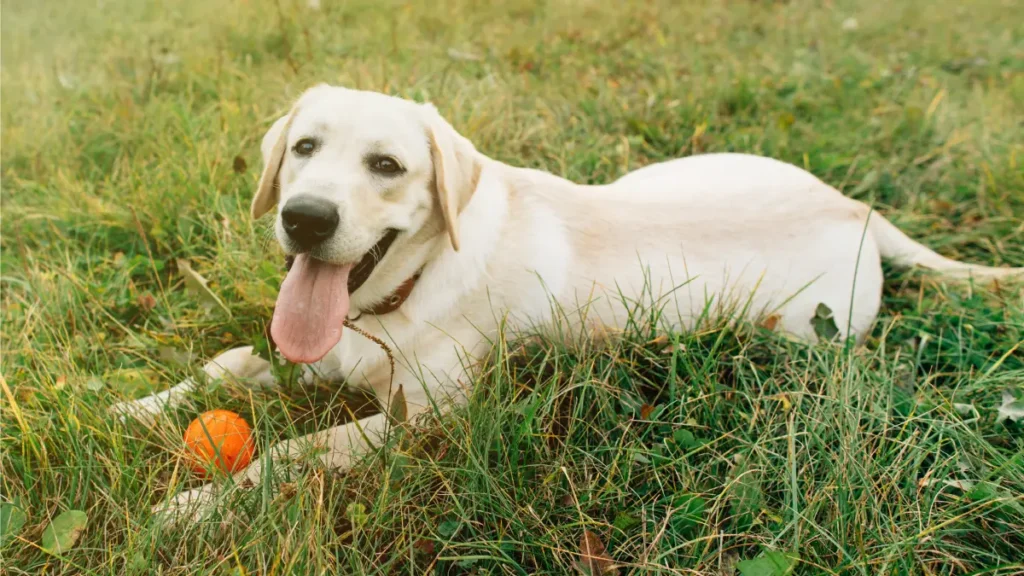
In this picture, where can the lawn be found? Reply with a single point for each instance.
(130, 135)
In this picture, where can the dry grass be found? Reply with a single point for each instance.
(121, 129)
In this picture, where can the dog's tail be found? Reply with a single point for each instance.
(901, 250)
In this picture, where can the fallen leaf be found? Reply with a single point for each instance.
(685, 439)
(625, 521)
(12, 518)
(689, 511)
(771, 322)
(239, 165)
(425, 546)
(770, 564)
(594, 559)
(1011, 408)
(398, 411)
(447, 528)
(356, 514)
(146, 301)
(824, 325)
(63, 531)
(645, 411)
(195, 282)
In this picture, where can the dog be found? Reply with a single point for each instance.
(399, 229)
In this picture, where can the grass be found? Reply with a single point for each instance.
(130, 139)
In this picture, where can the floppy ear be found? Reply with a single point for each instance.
(456, 170)
(273, 148)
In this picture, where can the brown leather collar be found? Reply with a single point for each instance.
(395, 300)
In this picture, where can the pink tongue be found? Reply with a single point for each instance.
(311, 309)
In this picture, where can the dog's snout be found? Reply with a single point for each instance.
(309, 220)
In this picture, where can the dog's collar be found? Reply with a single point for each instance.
(394, 301)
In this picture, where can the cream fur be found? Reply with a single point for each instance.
(734, 229)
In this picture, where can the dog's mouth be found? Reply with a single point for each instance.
(314, 301)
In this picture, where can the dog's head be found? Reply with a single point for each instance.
(352, 172)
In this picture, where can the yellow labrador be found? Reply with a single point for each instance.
(398, 224)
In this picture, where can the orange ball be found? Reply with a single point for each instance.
(221, 438)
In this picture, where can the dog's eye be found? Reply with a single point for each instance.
(305, 147)
(385, 165)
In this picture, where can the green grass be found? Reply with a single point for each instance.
(121, 128)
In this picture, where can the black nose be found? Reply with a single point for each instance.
(309, 220)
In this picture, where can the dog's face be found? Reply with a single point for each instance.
(350, 166)
(354, 173)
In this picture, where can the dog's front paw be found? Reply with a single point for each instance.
(200, 504)
(144, 410)
(188, 506)
(147, 409)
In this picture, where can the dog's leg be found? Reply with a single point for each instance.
(337, 448)
(238, 363)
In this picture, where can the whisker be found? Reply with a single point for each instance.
(267, 235)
